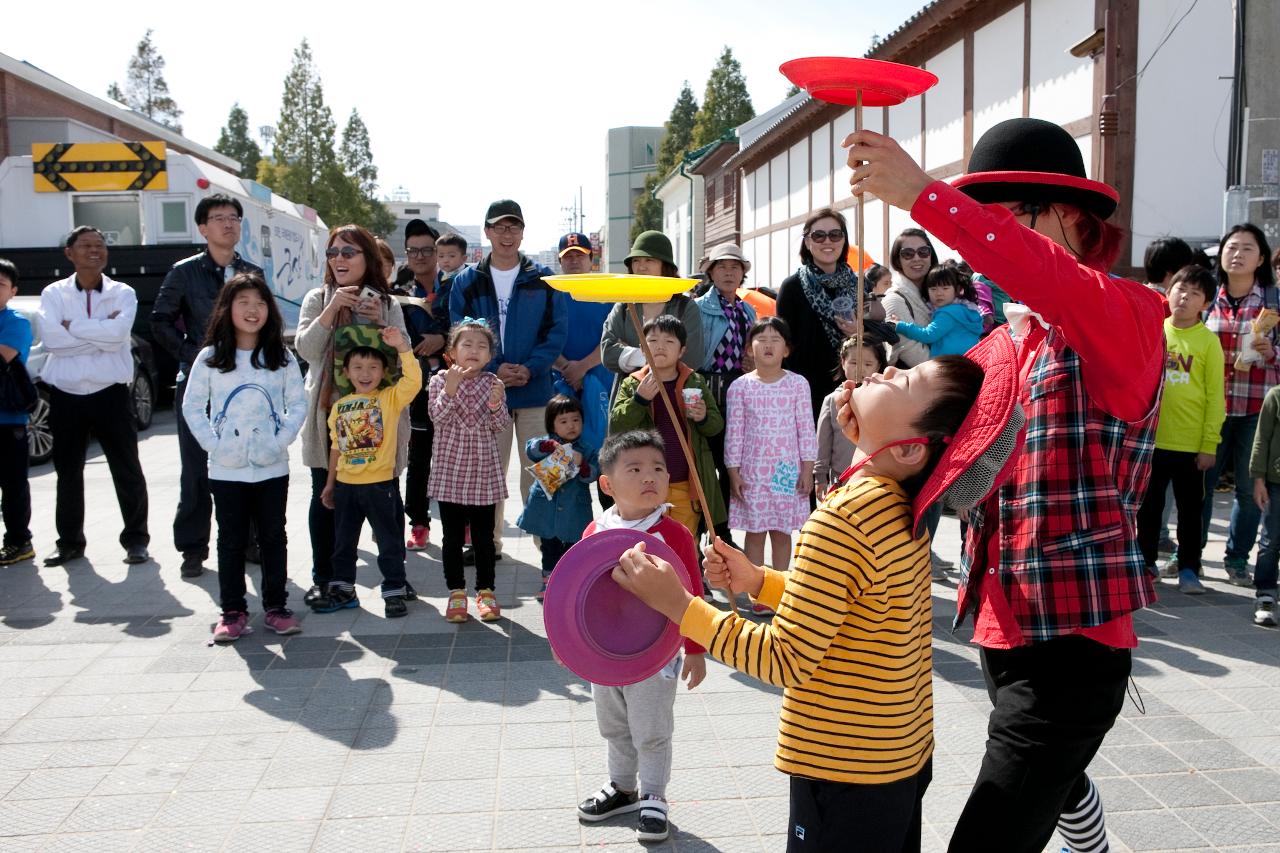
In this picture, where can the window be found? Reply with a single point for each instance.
(118, 217)
(412, 211)
(173, 218)
(709, 196)
(729, 187)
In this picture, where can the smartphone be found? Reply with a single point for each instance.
(370, 294)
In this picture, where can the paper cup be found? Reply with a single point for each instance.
(691, 395)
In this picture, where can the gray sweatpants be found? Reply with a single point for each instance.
(637, 722)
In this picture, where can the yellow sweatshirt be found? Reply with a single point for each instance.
(363, 427)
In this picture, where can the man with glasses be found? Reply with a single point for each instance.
(179, 319)
(426, 314)
(530, 321)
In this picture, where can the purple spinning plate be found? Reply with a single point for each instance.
(597, 629)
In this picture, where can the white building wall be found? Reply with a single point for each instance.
(944, 109)
(798, 181)
(997, 71)
(840, 128)
(778, 189)
(779, 257)
(1179, 160)
(1061, 84)
(820, 166)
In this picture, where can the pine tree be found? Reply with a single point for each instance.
(726, 103)
(792, 91)
(304, 138)
(356, 156)
(145, 89)
(675, 144)
(235, 142)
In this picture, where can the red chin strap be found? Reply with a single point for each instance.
(854, 468)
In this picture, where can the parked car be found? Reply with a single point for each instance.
(142, 388)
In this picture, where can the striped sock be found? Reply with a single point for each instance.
(1084, 825)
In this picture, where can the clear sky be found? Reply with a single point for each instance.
(466, 102)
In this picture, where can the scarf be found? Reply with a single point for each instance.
(820, 288)
(611, 520)
(728, 355)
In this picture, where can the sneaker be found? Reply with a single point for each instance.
(11, 554)
(937, 570)
(417, 537)
(335, 599)
(312, 595)
(232, 626)
(761, 610)
(1265, 614)
(487, 606)
(653, 819)
(395, 606)
(410, 594)
(456, 611)
(1190, 584)
(541, 594)
(606, 803)
(940, 561)
(282, 621)
(192, 564)
(1237, 571)
(1166, 545)
(1170, 568)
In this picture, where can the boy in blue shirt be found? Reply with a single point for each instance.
(15, 491)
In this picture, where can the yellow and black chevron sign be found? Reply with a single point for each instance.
(98, 166)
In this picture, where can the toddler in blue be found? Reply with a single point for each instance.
(559, 520)
(957, 323)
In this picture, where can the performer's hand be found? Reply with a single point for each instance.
(883, 169)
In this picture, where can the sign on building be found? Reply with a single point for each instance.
(98, 166)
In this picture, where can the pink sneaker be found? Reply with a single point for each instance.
(487, 606)
(417, 540)
(231, 627)
(283, 622)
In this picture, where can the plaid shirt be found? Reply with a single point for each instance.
(1067, 517)
(1245, 388)
(465, 465)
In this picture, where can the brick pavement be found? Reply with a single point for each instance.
(121, 730)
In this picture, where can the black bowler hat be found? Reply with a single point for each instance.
(1032, 160)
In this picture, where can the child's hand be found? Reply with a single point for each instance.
(697, 412)
(804, 483)
(326, 496)
(735, 484)
(577, 458)
(393, 338)
(648, 387)
(727, 566)
(694, 671)
(497, 394)
(1264, 348)
(453, 378)
(1205, 461)
(1260, 494)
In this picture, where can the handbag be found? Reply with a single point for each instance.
(17, 391)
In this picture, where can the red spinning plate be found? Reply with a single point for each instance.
(837, 79)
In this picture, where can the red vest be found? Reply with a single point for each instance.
(1067, 516)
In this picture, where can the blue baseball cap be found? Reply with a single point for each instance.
(574, 242)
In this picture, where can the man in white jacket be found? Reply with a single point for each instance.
(85, 324)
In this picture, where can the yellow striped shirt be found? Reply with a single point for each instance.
(850, 641)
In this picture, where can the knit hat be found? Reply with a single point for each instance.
(651, 244)
(1032, 160)
(981, 455)
(727, 252)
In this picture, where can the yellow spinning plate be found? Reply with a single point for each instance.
(619, 287)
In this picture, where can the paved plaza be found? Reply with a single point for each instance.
(120, 729)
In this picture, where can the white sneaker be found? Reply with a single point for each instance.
(1266, 613)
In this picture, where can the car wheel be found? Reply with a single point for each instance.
(143, 397)
(39, 435)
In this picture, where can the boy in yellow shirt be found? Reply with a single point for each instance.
(362, 482)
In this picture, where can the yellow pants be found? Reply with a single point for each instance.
(682, 507)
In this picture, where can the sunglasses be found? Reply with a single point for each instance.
(908, 254)
(835, 235)
(347, 252)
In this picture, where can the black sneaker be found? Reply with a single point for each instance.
(11, 554)
(606, 803)
(311, 596)
(335, 599)
(192, 564)
(410, 594)
(653, 819)
(395, 606)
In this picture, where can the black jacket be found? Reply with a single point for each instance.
(182, 309)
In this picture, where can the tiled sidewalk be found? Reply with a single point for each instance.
(121, 730)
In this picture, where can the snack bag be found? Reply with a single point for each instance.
(556, 469)
(1261, 326)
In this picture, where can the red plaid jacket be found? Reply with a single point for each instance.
(1067, 517)
(1245, 388)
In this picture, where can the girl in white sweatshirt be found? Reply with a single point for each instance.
(245, 404)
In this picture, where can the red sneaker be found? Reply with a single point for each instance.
(487, 606)
(231, 627)
(417, 537)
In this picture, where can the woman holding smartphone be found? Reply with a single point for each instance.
(355, 290)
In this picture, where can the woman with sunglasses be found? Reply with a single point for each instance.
(354, 265)
(911, 256)
(813, 300)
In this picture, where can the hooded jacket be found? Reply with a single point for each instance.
(954, 329)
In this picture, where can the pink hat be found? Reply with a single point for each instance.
(596, 628)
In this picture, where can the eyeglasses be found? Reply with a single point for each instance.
(908, 254)
(424, 252)
(506, 229)
(347, 252)
(835, 235)
(224, 220)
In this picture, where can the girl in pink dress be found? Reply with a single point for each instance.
(770, 447)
